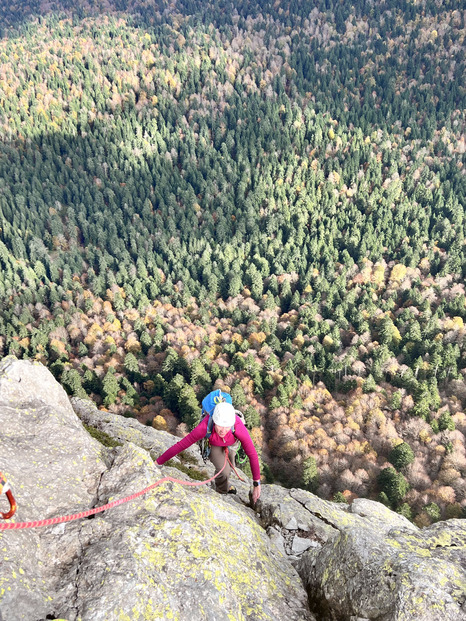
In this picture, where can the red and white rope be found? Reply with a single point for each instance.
(110, 505)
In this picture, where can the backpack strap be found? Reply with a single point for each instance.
(240, 415)
(210, 425)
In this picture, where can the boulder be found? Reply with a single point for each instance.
(399, 575)
(369, 562)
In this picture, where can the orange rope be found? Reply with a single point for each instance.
(232, 466)
(110, 505)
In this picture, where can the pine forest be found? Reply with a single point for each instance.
(262, 196)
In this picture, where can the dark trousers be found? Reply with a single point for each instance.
(217, 457)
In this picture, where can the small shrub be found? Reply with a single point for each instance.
(433, 511)
(197, 475)
(187, 458)
(339, 497)
(102, 437)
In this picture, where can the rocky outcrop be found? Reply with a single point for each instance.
(187, 553)
(175, 553)
(368, 563)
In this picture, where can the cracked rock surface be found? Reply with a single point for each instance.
(367, 562)
(187, 553)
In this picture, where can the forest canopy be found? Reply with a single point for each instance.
(267, 197)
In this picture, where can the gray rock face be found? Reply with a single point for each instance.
(371, 563)
(188, 553)
(174, 553)
(53, 466)
(401, 575)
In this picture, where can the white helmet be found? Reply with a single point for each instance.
(224, 415)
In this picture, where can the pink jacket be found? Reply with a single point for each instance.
(199, 432)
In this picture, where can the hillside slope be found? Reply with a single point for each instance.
(261, 197)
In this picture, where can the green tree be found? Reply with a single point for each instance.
(445, 422)
(145, 340)
(90, 381)
(396, 400)
(110, 387)
(426, 398)
(82, 349)
(310, 475)
(169, 364)
(401, 456)
(433, 511)
(393, 485)
(272, 363)
(237, 395)
(252, 417)
(188, 406)
(71, 380)
(234, 284)
(369, 384)
(173, 391)
(131, 366)
(200, 377)
(405, 510)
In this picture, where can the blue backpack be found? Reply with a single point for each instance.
(208, 406)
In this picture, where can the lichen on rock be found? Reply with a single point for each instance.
(187, 553)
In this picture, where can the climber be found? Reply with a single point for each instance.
(227, 429)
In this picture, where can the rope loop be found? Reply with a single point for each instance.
(227, 456)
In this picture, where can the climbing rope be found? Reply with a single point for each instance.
(110, 505)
